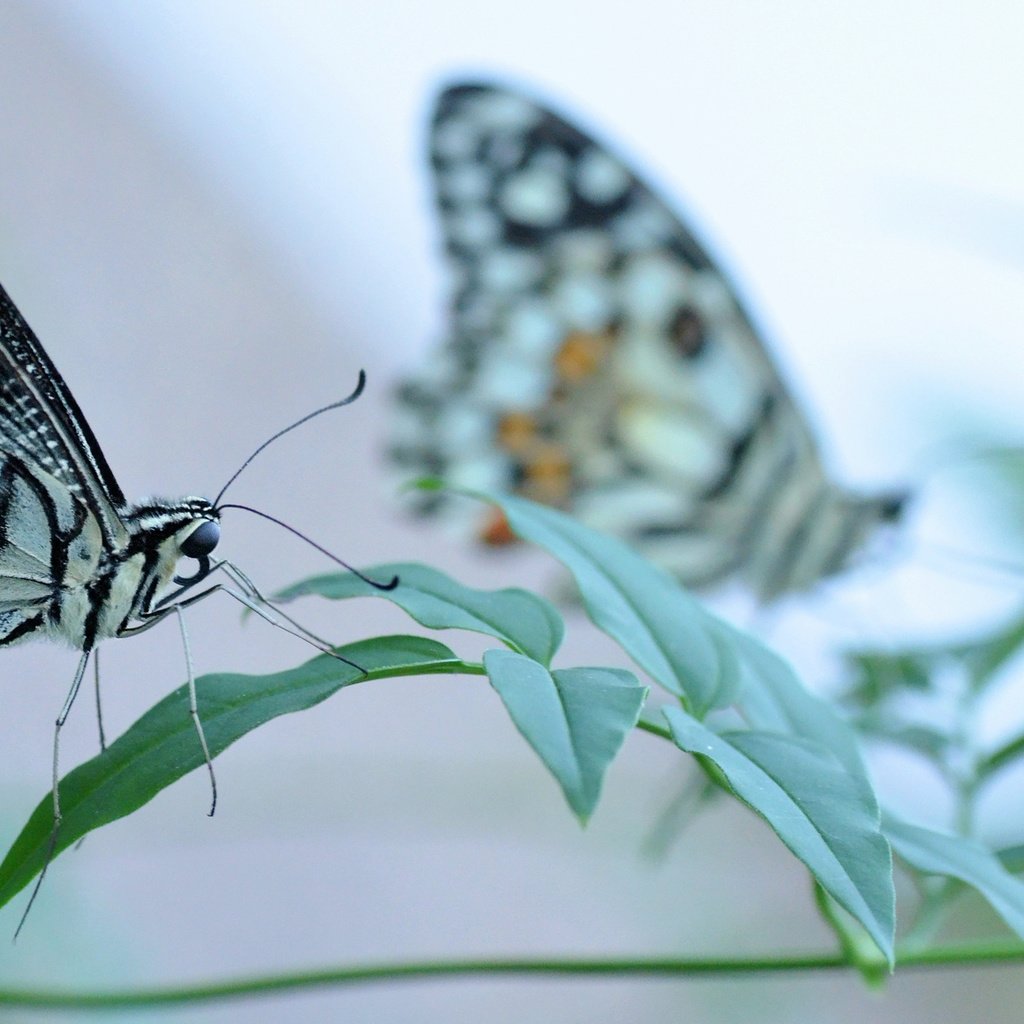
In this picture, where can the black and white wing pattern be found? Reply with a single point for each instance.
(41, 423)
(77, 564)
(600, 362)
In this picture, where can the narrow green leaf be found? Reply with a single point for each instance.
(526, 622)
(806, 795)
(162, 746)
(936, 853)
(772, 699)
(987, 656)
(576, 719)
(662, 628)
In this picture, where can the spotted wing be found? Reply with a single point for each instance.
(599, 361)
(41, 424)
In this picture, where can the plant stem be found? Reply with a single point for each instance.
(654, 729)
(672, 967)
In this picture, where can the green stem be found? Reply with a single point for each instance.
(673, 967)
(932, 912)
(654, 729)
(827, 909)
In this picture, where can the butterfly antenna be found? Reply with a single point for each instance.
(376, 584)
(360, 384)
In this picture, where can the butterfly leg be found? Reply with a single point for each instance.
(99, 703)
(151, 618)
(193, 708)
(252, 599)
(99, 712)
(248, 587)
(51, 848)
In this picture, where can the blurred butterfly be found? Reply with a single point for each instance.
(600, 362)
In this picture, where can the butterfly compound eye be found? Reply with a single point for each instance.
(202, 540)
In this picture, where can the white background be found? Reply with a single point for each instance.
(214, 214)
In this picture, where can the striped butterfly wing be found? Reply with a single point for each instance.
(599, 361)
(60, 506)
(50, 541)
(41, 424)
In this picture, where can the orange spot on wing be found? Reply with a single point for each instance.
(580, 355)
(495, 530)
(516, 431)
(547, 477)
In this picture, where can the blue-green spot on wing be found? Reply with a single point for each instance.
(525, 621)
(575, 719)
(814, 806)
(161, 746)
(640, 606)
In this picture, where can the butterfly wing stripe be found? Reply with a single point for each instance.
(45, 526)
(146, 588)
(99, 593)
(18, 625)
(840, 534)
(28, 518)
(19, 556)
(782, 560)
(40, 416)
(741, 449)
(64, 521)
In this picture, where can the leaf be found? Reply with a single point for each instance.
(877, 674)
(662, 628)
(576, 719)
(986, 656)
(772, 699)
(928, 742)
(815, 807)
(526, 622)
(1005, 754)
(936, 853)
(1012, 858)
(162, 746)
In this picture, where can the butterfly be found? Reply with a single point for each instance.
(78, 563)
(599, 361)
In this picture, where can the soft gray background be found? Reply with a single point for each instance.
(214, 214)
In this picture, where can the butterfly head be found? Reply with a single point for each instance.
(198, 538)
(171, 530)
